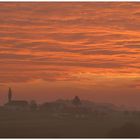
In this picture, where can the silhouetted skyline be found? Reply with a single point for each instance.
(54, 50)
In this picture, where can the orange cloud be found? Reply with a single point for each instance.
(87, 43)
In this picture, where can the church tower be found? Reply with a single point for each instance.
(9, 95)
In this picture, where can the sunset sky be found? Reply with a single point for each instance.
(58, 50)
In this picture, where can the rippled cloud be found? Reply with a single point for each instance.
(57, 41)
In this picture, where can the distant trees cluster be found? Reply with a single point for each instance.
(76, 101)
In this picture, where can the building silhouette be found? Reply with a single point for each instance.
(9, 95)
(72, 107)
(15, 104)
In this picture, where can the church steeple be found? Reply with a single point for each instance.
(9, 95)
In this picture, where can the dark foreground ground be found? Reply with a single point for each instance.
(42, 125)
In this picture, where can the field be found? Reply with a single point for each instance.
(43, 125)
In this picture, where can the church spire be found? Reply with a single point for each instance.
(9, 95)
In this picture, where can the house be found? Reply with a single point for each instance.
(17, 105)
(52, 107)
(71, 108)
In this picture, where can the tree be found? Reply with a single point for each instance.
(76, 101)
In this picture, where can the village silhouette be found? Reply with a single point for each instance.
(75, 118)
(75, 106)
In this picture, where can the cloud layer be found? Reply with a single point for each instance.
(89, 49)
(57, 41)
